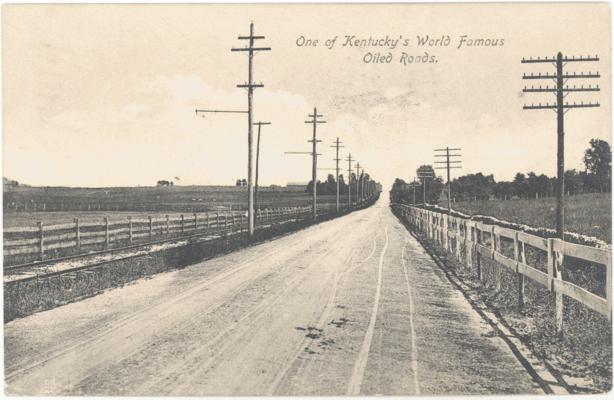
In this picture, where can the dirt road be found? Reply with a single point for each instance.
(349, 306)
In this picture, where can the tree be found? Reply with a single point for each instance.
(504, 190)
(598, 162)
(520, 185)
(574, 184)
(343, 189)
(238, 183)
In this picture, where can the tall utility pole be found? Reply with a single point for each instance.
(561, 107)
(314, 168)
(337, 146)
(450, 164)
(357, 182)
(349, 160)
(250, 92)
(259, 124)
(250, 49)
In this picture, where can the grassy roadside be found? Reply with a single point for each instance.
(586, 214)
(582, 357)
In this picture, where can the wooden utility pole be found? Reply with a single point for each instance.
(349, 160)
(314, 167)
(560, 90)
(449, 164)
(250, 86)
(337, 146)
(259, 124)
(357, 182)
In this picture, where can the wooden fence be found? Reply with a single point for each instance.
(471, 241)
(40, 242)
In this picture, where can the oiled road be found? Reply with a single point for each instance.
(349, 306)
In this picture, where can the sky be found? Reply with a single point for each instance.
(104, 95)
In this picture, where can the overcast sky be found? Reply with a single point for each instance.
(104, 95)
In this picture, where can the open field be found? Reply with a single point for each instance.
(61, 205)
(176, 198)
(586, 214)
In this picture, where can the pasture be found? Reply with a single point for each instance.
(586, 214)
(24, 206)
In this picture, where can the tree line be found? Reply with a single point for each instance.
(595, 178)
(329, 186)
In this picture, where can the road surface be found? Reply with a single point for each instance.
(349, 306)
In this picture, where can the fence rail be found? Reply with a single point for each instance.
(472, 241)
(42, 242)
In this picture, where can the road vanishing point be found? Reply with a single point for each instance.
(351, 306)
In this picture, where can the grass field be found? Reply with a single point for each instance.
(586, 214)
(92, 204)
(181, 198)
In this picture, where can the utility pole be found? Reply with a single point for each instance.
(561, 107)
(259, 124)
(250, 86)
(357, 182)
(337, 146)
(349, 160)
(314, 168)
(450, 164)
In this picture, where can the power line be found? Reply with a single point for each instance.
(349, 160)
(314, 122)
(561, 107)
(337, 146)
(449, 164)
(250, 86)
(259, 124)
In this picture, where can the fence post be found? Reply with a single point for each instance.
(445, 236)
(468, 244)
(195, 222)
(457, 238)
(41, 242)
(519, 256)
(217, 220)
(77, 234)
(150, 226)
(478, 256)
(608, 283)
(498, 269)
(130, 229)
(168, 230)
(106, 232)
(182, 224)
(550, 264)
(558, 275)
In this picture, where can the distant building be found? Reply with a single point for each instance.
(294, 185)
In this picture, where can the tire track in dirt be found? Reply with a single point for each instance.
(412, 332)
(253, 320)
(339, 278)
(363, 356)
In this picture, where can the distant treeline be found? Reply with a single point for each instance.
(364, 184)
(595, 178)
